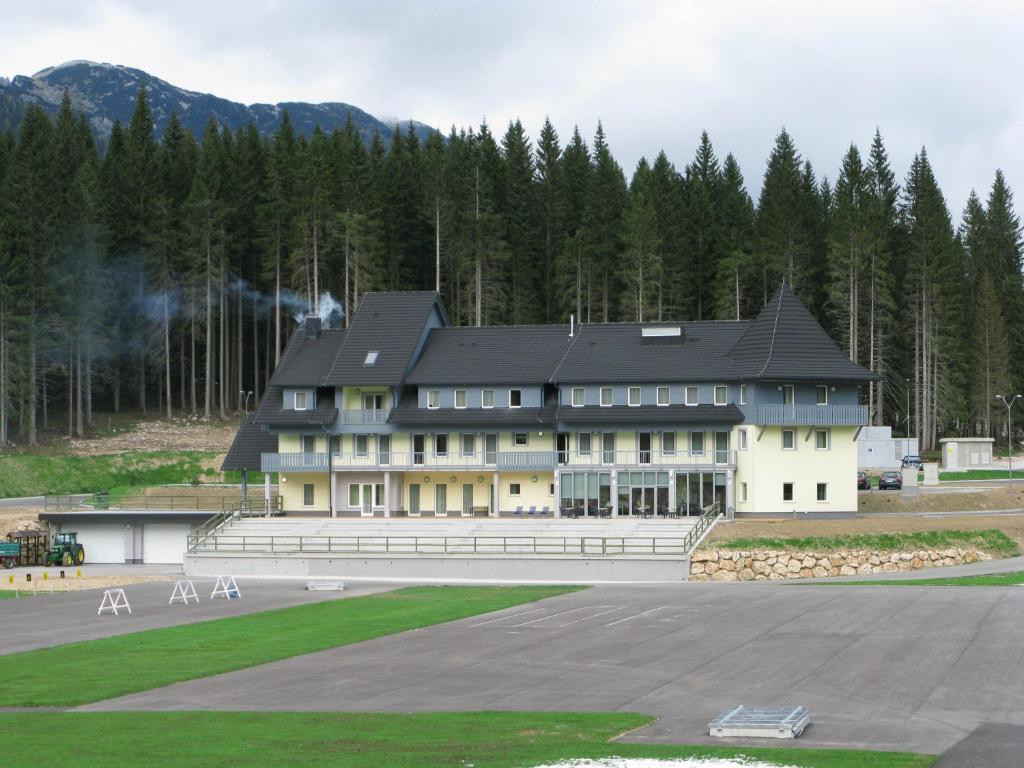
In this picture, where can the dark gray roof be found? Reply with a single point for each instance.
(618, 352)
(651, 414)
(247, 446)
(785, 342)
(390, 324)
(307, 359)
(409, 414)
(514, 354)
(271, 411)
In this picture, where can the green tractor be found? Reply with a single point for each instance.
(65, 550)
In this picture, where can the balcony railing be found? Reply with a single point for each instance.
(500, 461)
(776, 414)
(359, 416)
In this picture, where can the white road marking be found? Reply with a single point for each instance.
(638, 615)
(552, 616)
(592, 616)
(503, 618)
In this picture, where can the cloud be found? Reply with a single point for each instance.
(939, 74)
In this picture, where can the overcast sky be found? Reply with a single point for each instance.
(940, 74)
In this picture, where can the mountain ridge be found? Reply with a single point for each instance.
(107, 92)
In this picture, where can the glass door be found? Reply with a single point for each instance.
(467, 500)
(384, 449)
(644, 447)
(440, 500)
(417, 449)
(490, 450)
(608, 448)
(562, 446)
(721, 447)
(414, 500)
(367, 506)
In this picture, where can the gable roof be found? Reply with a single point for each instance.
(513, 354)
(307, 358)
(272, 413)
(390, 324)
(785, 342)
(249, 443)
(619, 352)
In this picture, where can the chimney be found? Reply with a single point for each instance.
(312, 326)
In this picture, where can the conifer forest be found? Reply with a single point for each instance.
(165, 273)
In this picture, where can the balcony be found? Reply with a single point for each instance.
(527, 461)
(295, 462)
(365, 416)
(778, 415)
(643, 458)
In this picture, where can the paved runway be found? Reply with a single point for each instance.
(68, 617)
(879, 667)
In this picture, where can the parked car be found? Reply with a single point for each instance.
(890, 481)
(912, 461)
(863, 481)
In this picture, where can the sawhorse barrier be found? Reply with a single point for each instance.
(113, 599)
(183, 592)
(225, 587)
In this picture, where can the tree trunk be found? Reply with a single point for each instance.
(208, 398)
(223, 345)
(277, 297)
(167, 355)
(88, 380)
(79, 429)
(31, 404)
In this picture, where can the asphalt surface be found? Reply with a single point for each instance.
(65, 617)
(994, 745)
(879, 667)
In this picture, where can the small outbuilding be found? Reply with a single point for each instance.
(878, 449)
(963, 453)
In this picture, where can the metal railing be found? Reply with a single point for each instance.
(164, 503)
(365, 415)
(501, 461)
(708, 517)
(777, 414)
(591, 546)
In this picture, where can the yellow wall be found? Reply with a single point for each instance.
(290, 488)
(353, 401)
(765, 466)
(481, 489)
(532, 494)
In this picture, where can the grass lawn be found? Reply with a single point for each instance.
(39, 475)
(140, 661)
(315, 739)
(981, 474)
(991, 541)
(988, 580)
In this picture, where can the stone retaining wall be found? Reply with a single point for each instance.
(762, 565)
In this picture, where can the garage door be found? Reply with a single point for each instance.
(164, 542)
(103, 542)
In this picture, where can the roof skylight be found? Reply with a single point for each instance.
(371, 357)
(660, 331)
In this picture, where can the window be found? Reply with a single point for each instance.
(743, 491)
(821, 441)
(822, 394)
(460, 398)
(515, 398)
(371, 358)
(692, 396)
(373, 402)
(634, 396)
(300, 401)
(469, 445)
(521, 438)
(362, 444)
(697, 443)
(721, 394)
(308, 443)
(441, 444)
(787, 394)
(353, 495)
(513, 489)
(741, 439)
(378, 495)
(487, 398)
(822, 491)
(583, 443)
(433, 398)
(787, 491)
(743, 394)
(606, 396)
(334, 445)
(668, 443)
(663, 396)
(551, 489)
(789, 439)
(578, 397)
(307, 494)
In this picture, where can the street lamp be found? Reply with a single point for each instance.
(245, 399)
(1009, 433)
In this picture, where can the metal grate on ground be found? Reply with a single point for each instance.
(763, 722)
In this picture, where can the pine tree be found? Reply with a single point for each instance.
(1001, 240)
(577, 180)
(990, 357)
(602, 222)
(640, 269)
(701, 228)
(550, 213)
(734, 270)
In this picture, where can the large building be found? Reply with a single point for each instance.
(404, 415)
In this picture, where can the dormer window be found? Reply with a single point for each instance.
(371, 357)
(578, 397)
(633, 396)
(515, 398)
(663, 395)
(721, 395)
(606, 396)
(692, 395)
(822, 394)
(301, 401)
(460, 398)
(433, 398)
(487, 398)
(743, 394)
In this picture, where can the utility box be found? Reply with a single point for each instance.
(963, 453)
(931, 473)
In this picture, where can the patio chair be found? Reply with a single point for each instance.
(518, 511)
(532, 512)
(545, 512)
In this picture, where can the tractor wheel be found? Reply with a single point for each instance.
(67, 560)
(80, 555)
(9, 563)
